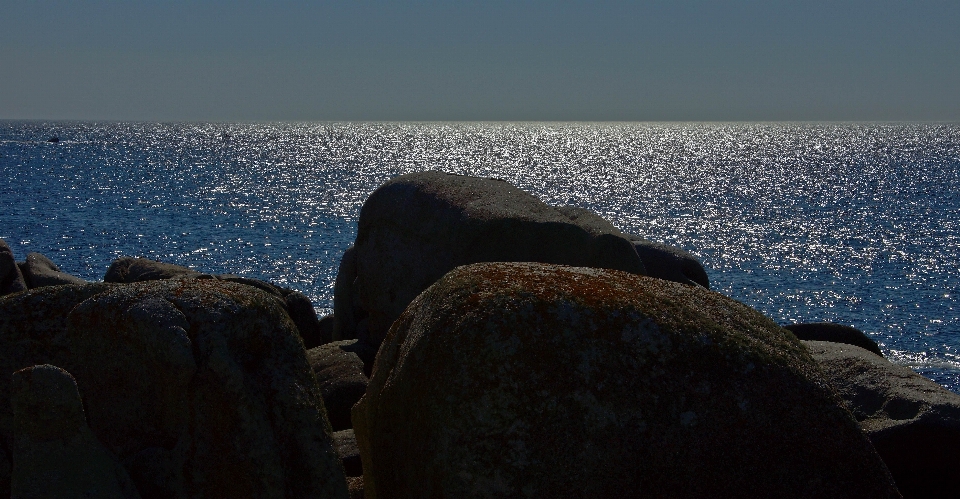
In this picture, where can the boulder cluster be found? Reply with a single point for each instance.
(483, 344)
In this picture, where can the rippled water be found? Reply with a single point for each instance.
(853, 223)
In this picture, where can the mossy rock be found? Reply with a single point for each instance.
(199, 387)
(533, 380)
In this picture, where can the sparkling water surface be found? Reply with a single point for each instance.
(851, 223)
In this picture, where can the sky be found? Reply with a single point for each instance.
(144, 60)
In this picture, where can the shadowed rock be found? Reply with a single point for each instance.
(40, 271)
(341, 378)
(305, 318)
(128, 269)
(669, 262)
(298, 306)
(913, 422)
(55, 453)
(417, 227)
(660, 260)
(347, 313)
(521, 379)
(199, 387)
(346, 443)
(11, 279)
(836, 333)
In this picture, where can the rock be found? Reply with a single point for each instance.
(11, 280)
(55, 453)
(326, 328)
(200, 387)
(54, 139)
(305, 318)
(660, 260)
(340, 374)
(346, 309)
(346, 443)
(521, 379)
(355, 487)
(913, 422)
(298, 306)
(836, 333)
(669, 262)
(128, 269)
(40, 271)
(415, 228)
(271, 288)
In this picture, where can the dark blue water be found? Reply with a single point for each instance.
(853, 223)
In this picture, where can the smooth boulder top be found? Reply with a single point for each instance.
(836, 333)
(660, 260)
(416, 227)
(913, 422)
(522, 379)
(128, 269)
(39, 271)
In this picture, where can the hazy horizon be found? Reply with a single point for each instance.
(492, 61)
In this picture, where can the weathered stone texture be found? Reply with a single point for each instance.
(520, 379)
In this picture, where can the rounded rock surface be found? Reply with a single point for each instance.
(519, 379)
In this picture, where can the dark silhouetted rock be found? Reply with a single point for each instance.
(305, 318)
(40, 271)
(53, 139)
(669, 262)
(532, 380)
(11, 279)
(836, 333)
(326, 328)
(54, 452)
(913, 422)
(346, 443)
(128, 269)
(200, 387)
(340, 374)
(417, 227)
(347, 313)
(660, 260)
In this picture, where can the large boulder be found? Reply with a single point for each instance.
(913, 422)
(39, 271)
(11, 279)
(415, 228)
(833, 332)
(199, 387)
(55, 453)
(522, 379)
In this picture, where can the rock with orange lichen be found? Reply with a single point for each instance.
(199, 387)
(532, 380)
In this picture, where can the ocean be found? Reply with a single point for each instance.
(856, 223)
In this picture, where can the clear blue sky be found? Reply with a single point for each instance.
(492, 60)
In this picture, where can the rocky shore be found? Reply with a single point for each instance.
(483, 344)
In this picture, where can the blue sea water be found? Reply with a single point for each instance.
(852, 223)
